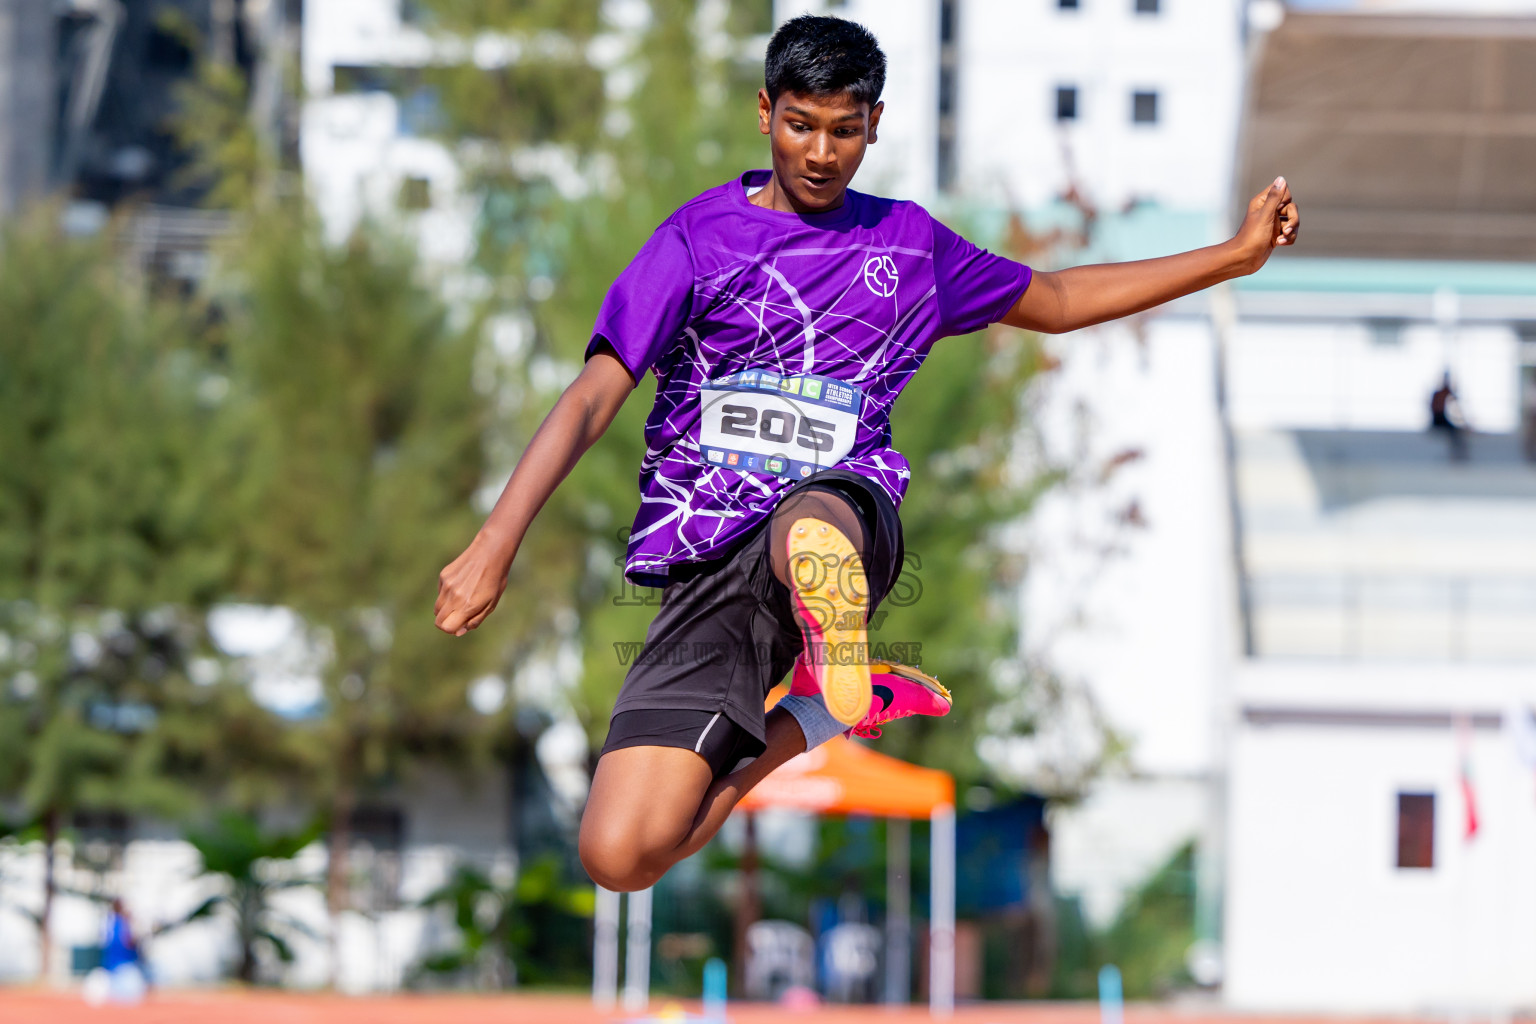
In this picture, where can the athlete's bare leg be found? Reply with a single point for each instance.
(652, 806)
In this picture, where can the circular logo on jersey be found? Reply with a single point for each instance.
(880, 276)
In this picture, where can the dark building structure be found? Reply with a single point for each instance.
(89, 88)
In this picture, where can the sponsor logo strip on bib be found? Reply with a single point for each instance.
(782, 425)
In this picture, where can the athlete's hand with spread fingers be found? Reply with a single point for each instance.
(1272, 220)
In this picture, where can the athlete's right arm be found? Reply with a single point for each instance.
(471, 586)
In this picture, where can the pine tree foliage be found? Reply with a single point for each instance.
(111, 546)
(360, 434)
(1148, 940)
(355, 389)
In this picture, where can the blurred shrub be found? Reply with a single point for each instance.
(533, 931)
(1148, 940)
(251, 867)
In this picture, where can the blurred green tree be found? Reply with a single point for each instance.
(355, 384)
(1150, 938)
(110, 543)
(356, 399)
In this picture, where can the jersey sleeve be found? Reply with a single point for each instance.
(649, 303)
(975, 287)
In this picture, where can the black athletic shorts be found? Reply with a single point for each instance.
(727, 633)
(714, 737)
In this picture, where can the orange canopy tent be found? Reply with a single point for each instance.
(843, 777)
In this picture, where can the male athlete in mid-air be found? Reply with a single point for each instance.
(782, 313)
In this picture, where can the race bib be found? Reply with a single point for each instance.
(767, 422)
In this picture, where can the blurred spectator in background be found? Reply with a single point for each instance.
(118, 948)
(1445, 414)
(120, 978)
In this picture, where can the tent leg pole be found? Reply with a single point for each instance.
(637, 955)
(605, 950)
(898, 911)
(941, 927)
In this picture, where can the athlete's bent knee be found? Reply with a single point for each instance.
(618, 864)
(616, 870)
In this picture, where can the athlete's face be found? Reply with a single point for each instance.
(818, 143)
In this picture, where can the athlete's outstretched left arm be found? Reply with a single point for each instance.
(1066, 300)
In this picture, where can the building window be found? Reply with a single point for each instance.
(382, 828)
(167, 51)
(1528, 412)
(348, 78)
(378, 838)
(1386, 331)
(110, 827)
(1144, 107)
(420, 112)
(1066, 103)
(1415, 830)
(100, 838)
(1148, 6)
(415, 194)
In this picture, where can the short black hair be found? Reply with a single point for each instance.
(821, 56)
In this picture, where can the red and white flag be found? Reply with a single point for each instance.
(1468, 791)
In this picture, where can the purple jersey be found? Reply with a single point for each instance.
(780, 342)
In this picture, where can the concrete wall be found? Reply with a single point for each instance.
(1134, 605)
(1369, 374)
(1318, 916)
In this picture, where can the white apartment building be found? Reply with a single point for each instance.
(1388, 588)
(1008, 102)
(364, 138)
